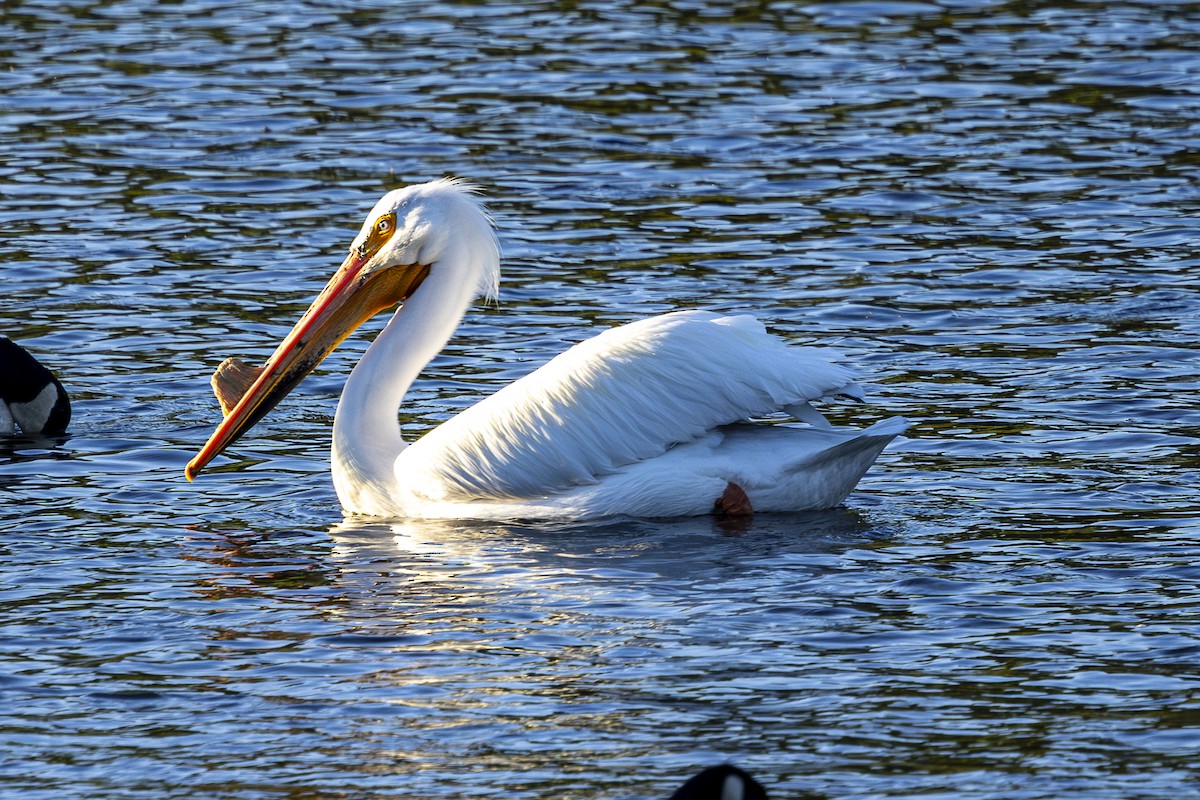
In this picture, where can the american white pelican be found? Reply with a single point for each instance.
(639, 420)
(31, 398)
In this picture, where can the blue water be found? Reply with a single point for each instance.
(990, 208)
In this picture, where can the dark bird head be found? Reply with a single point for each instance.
(724, 782)
(32, 397)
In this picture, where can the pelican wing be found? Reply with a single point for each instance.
(621, 397)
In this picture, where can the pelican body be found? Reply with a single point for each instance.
(645, 419)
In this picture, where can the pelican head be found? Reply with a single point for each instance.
(410, 234)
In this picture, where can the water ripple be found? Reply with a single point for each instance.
(987, 206)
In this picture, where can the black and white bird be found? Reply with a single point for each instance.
(32, 401)
(723, 782)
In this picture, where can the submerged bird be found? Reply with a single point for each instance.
(644, 419)
(723, 782)
(31, 398)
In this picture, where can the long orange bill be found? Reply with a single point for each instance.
(352, 296)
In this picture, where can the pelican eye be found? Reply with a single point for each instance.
(381, 231)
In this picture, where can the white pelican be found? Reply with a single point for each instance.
(31, 398)
(639, 420)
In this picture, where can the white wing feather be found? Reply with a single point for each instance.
(623, 396)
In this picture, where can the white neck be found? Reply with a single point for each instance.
(366, 432)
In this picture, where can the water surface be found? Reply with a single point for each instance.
(990, 208)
